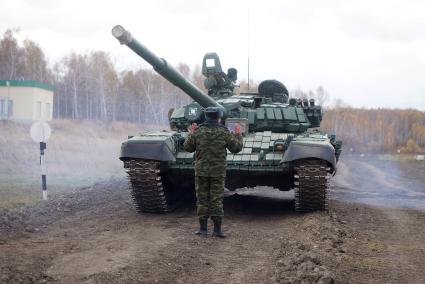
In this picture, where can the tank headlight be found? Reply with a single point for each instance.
(280, 147)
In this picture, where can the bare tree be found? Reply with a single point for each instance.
(10, 55)
(34, 63)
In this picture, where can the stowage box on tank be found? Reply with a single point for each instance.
(279, 149)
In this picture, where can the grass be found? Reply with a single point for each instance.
(79, 153)
(17, 191)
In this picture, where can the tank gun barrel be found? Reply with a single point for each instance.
(161, 66)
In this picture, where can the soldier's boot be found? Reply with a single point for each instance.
(203, 227)
(217, 228)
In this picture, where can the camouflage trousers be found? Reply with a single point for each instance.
(209, 196)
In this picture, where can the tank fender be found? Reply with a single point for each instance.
(160, 148)
(298, 150)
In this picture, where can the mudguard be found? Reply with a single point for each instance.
(298, 150)
(152, 146)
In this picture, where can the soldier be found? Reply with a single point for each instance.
(210, 142)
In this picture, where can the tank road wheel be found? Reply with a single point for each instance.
(147, 189)
(311, 186)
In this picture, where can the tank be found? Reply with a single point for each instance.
(283, 147)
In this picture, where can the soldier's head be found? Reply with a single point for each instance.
(213, 114)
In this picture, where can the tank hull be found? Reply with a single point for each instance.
(160, 171)
(237, 177)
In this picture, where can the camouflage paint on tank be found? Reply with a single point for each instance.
(282, 147)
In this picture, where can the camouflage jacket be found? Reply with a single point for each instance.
(210, 142)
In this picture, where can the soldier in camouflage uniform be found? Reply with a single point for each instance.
(210, 142)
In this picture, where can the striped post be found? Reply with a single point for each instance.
(43, 147)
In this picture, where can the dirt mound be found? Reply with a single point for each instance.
(33, 218)
(303, 268)
(303, 259)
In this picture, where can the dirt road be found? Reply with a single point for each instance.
(95, 236)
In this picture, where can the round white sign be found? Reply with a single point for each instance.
(40, 131)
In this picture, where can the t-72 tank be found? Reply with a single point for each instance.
(280, 148)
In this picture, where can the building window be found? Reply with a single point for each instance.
(47, 111)
(38, 111)
(6, 109)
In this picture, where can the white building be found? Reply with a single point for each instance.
(26, 100)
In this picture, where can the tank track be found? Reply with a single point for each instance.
(147, 189)
(311, 186)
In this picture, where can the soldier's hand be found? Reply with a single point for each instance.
(192, 128)
(237, 129)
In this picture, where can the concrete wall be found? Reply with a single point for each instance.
(44, 99)
(29, 103)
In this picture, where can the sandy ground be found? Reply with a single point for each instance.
(94, 235)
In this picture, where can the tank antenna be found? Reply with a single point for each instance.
(248, 46)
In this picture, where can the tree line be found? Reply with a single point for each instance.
(88, 86)
(377, 130)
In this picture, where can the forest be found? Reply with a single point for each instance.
(89, 87)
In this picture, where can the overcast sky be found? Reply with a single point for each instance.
(367, 53)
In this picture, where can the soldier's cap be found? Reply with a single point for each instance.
(213, 113)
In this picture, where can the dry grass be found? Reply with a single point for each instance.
(78, 153)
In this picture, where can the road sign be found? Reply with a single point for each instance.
(40, 131)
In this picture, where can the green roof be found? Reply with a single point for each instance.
(21, 83)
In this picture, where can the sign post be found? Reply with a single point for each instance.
(40, 132)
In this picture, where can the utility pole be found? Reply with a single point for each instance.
(248, 43)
